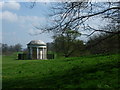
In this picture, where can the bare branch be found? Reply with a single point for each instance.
(96, 13)
(109, 32)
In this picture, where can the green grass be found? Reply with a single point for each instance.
(96, 71)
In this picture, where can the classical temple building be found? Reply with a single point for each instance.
(37, 49)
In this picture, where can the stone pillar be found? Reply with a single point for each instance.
(40, 53)
(30, 52)
(37, 53)
(43, 53)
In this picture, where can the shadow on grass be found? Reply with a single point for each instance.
(100, 75)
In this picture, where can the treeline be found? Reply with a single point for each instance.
(97, 44)
(69, 46)
(104, 43)
(8, 50)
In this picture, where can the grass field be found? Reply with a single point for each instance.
(98, 71)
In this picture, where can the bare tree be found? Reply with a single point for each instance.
(76, 14)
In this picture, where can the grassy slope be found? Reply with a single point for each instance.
(79, 72)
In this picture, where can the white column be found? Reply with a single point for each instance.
(45, 53)
(31, 52)
(37, 52)
(40, 54)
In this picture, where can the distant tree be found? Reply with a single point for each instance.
(4, 48)
(18, 47)
(25, 50)
(50, 47)
(67, 43)
(109, 45)
(106, 42)
(11, 49)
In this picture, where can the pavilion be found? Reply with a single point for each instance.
(37, 49)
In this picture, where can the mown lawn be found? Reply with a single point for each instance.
(96, 71)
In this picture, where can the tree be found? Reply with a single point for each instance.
(76, 14)
(50, 47)
(67, 43)
(18, 47)
(109, 45)
(11, 49)
(4, 48)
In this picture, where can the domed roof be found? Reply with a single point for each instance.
(36, 42)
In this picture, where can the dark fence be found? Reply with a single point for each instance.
(25, 56)
(50, 56)
(22, 56)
